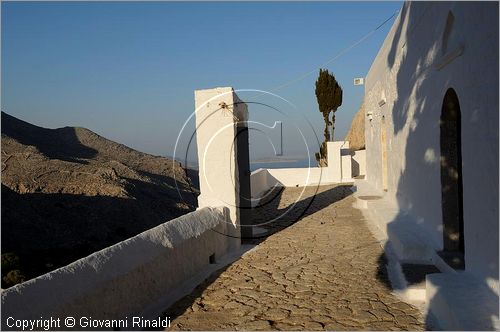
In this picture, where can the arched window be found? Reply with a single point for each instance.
(451, 181)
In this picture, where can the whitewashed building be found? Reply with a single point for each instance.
(431, 132)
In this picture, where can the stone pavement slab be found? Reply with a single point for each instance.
(324, 271)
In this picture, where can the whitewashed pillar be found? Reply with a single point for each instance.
(339, 162)
(346, 157)
(334, 169)
(218, 112)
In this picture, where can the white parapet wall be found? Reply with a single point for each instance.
(260, 182)
(298, 177)
(127, 278)
(338, 171)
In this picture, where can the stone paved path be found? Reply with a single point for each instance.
(325, 271)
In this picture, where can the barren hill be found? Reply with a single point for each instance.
(356, 134)
(69, 192)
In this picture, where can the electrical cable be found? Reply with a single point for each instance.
(338, 55)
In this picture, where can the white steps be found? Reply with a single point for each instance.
(461, 301)
(452, 300)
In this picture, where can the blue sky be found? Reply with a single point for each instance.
(127, 70)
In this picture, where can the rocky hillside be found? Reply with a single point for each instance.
(356, 134)
(69, 192)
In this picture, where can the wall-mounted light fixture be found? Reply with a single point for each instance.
(369, 114)
(359, 81)
(382, 100)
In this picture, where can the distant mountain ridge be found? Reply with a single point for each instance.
(69, 192)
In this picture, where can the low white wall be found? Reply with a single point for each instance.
(338, 171)
(263, 179)
(359, 163)
(259, 182)
(298, 177)
(126, 278)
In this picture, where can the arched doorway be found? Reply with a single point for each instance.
(451, 181)
(383, 145)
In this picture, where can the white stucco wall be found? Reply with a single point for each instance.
(126, 278)
(406, 85)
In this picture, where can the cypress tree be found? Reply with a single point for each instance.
(329, 97)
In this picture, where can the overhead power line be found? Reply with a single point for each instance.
(338, 55)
